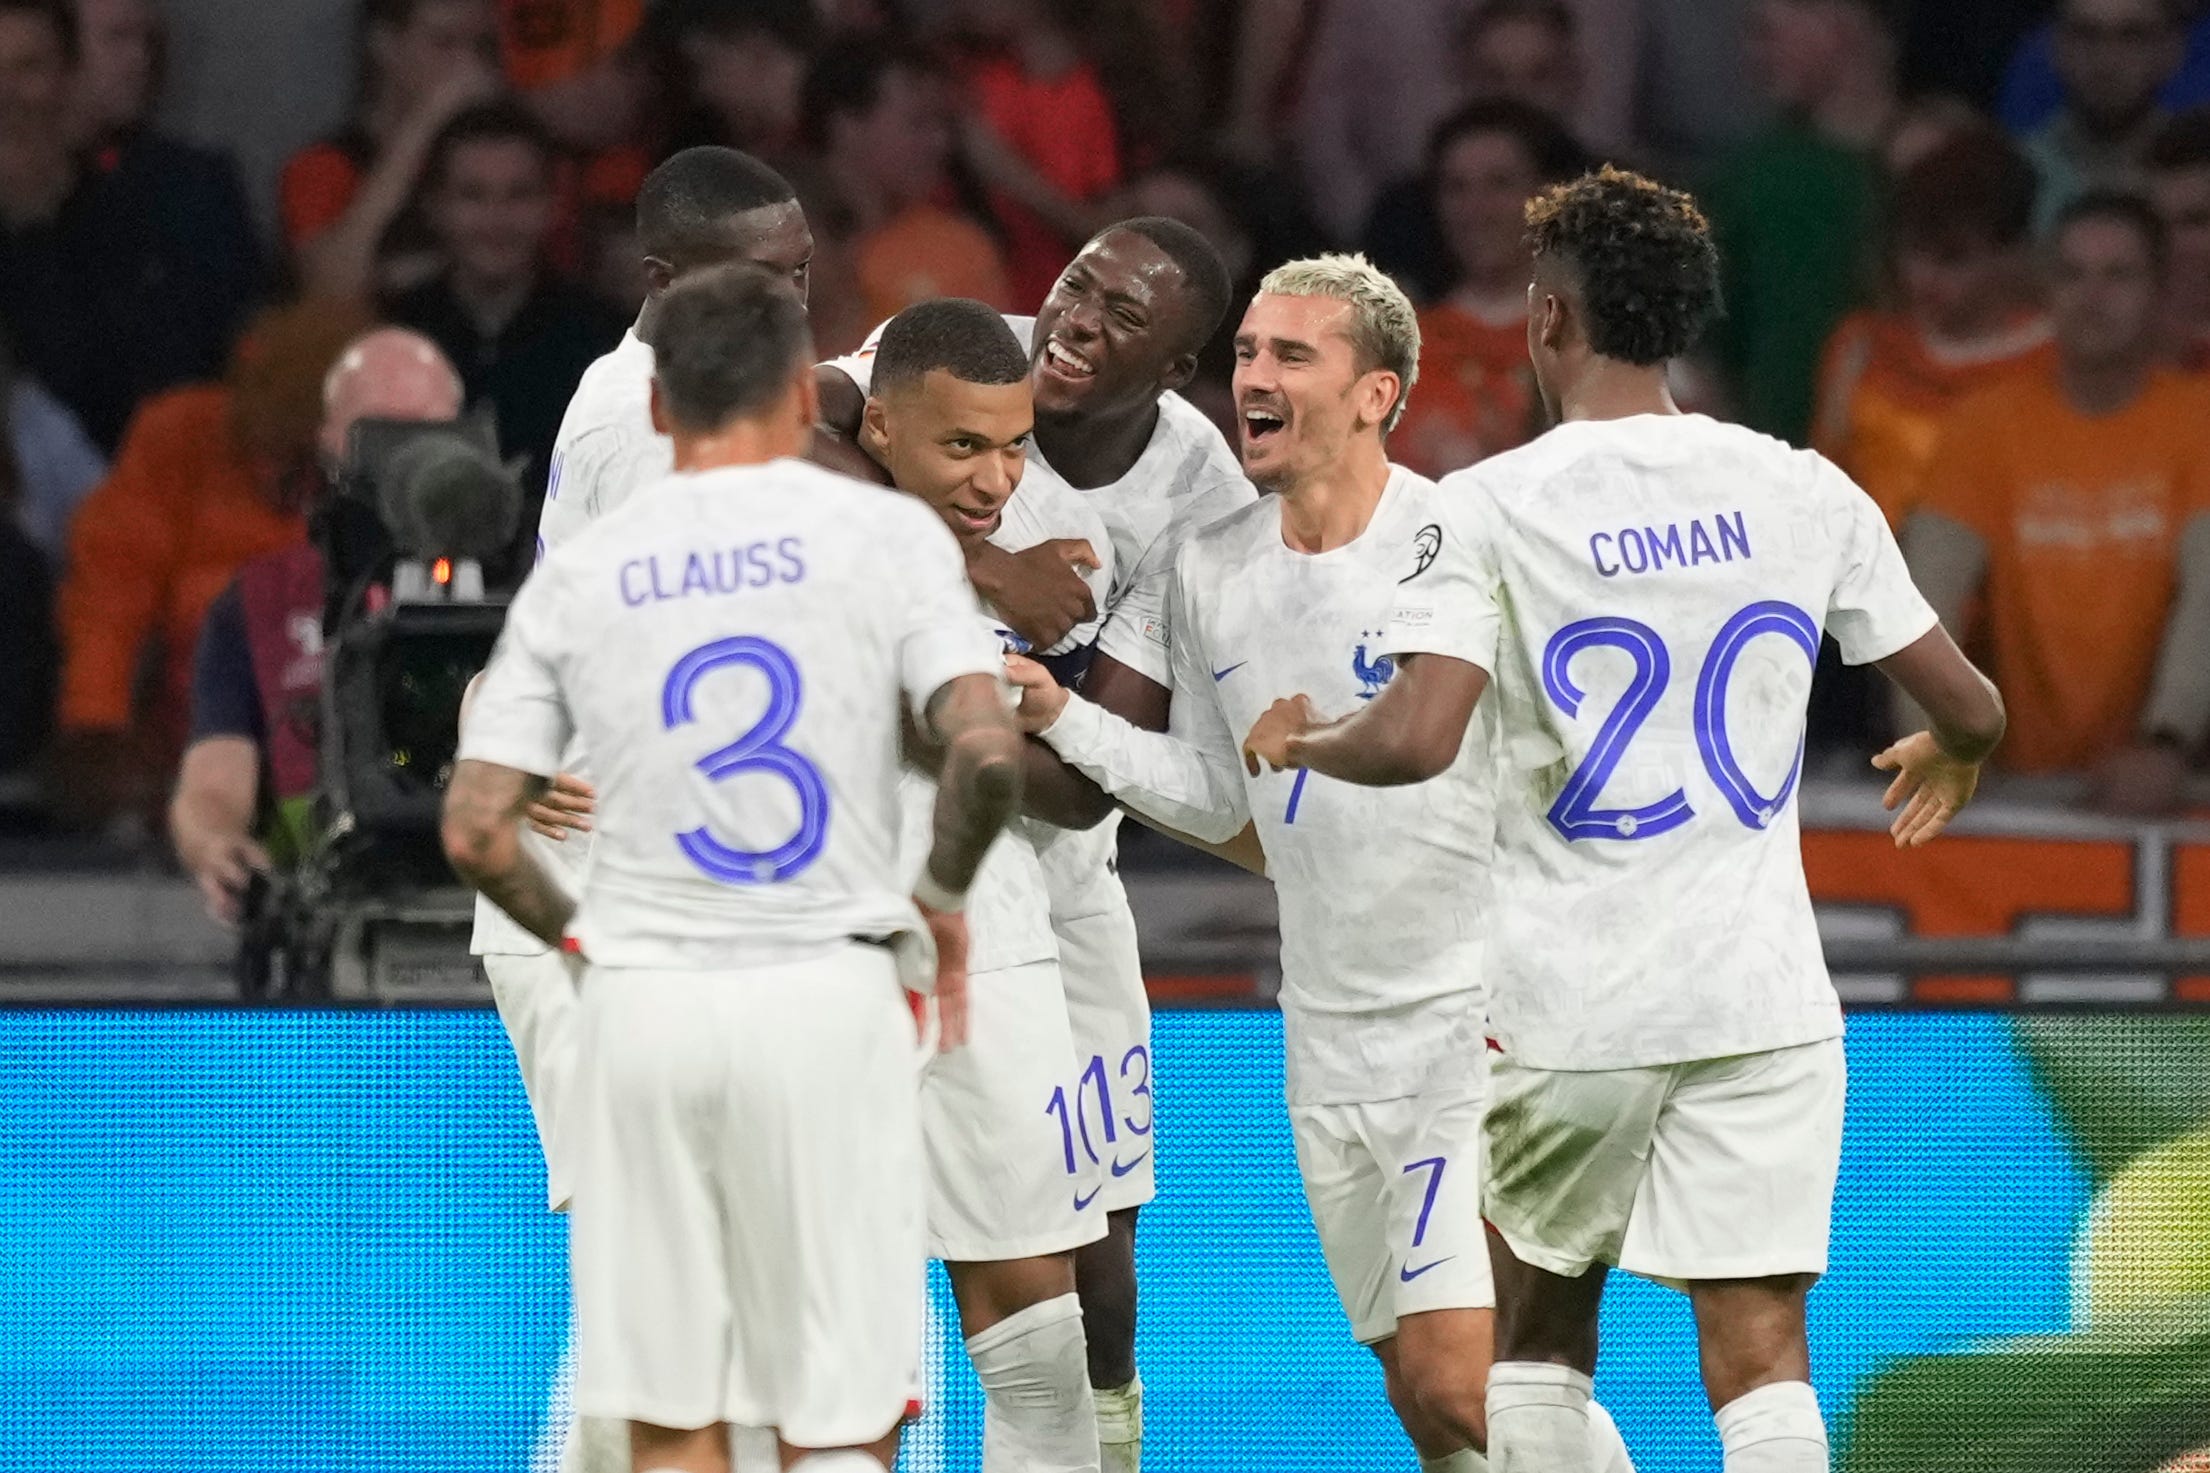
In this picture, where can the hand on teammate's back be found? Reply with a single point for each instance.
(1042, 697)
(1039, 592)
(2142, 780)
(1284, 722)
(950, 930)
(567, 804)
(1936, 785)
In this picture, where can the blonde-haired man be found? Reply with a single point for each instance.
(1383, 891)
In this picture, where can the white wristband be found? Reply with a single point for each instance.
(936, 897)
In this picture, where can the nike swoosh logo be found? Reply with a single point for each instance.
(1081, 1201)
(1120, 1170)
(1408, 1273)
(1220, 675)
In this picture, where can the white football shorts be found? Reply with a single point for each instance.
(1008, 1175)
(1395, 1192)
(747, 1237)
(538, 1002)
(1717, 1169)
(1111, 1016)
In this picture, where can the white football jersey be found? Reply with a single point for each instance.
(1648, 595)
(731, 647)
(1383, 891)
(1186, 479)
(606, 449)
(1008, 907)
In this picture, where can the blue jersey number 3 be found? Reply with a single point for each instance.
(1574, 814)
(759, 750)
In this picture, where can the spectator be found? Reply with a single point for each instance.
(209, 477)
(519, 335)
(2179, 185)
(350, 203)
(2114, 57)
(2033, 90)
(1965, 315)
(1923, 125)
(49, 464)
(1476, 392)
(247, 781)
(879, 122)
(1526, 51)
(745, 65)
(1794, 207)
(93, 258)
(1041, 133)
(1199, 198)
(576, 64)
(1382, 77)
(2077, 501)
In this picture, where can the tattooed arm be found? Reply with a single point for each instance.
(485, 806)
(979, 785)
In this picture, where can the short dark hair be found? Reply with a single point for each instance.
(1974, 188)
(965, 338)
(1642, 257)
(684, 205)
(2182, 143)
(1555, 152)
(2124, 207)
(1204, 275)
(845, 79)
(726, 343)
(60, 14)
(500, 121)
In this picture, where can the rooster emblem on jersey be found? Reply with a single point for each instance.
(1372, 674)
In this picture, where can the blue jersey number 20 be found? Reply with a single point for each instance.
(759, 750)
(1574, 814)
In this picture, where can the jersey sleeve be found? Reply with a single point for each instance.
(859, 364)
(1139, 633)
(1188, 777)
(941, 634)
(519, 718)
(1875, 608)
(1450, 604)
(225, 696)
(592, 477)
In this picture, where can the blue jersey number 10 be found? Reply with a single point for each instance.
(759, 750)
(1575, 814)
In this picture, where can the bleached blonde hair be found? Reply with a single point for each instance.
(1385, 330)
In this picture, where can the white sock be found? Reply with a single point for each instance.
(754, 1450)
(596, 1445)
(1120, 1427)
(1774, 1429)
(1038, 1412)
(1605, 1444)
(1538, 1419)
(848, 1460)
(1465, 1460)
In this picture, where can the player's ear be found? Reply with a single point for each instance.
(660, 422)
(874, 429)
(1378, 392)
(1178, 373)
(1552, 317)
(659, 275)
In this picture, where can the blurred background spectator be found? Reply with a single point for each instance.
(2113, 58)
(2072, 504)
(210, 477)
(2033, 85)
(519, 333)
(743, 65)
(2179, 184)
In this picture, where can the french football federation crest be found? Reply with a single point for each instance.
(1372, 674)
(1427, 544)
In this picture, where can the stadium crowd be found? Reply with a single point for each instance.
(1982, 287)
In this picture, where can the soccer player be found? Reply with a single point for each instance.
(1118, 335)
(1646, 591)
(1382, 986)
(948, 418)
(702, 208)
(733, 647)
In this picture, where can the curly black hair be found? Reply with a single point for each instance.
(1642, 256)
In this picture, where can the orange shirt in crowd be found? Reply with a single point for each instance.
(181, 511)
(1063, 126)
(928, 252)
(2082, 518)
(1475, 396)
(546, 41)
(1884, 388)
